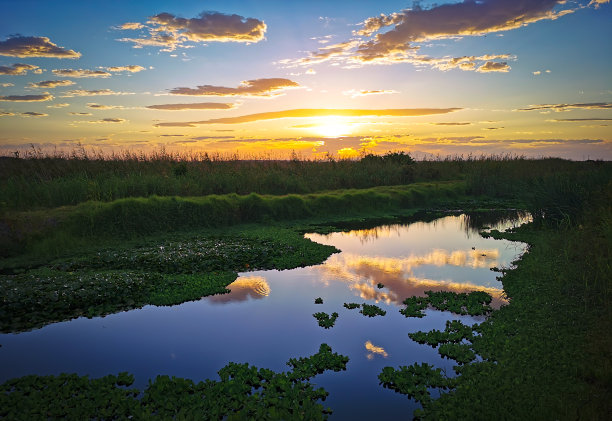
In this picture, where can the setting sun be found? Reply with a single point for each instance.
(332, 127)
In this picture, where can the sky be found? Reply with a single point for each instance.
(308, 78)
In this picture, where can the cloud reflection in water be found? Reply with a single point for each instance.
(243, 288)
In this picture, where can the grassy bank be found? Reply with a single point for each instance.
(52, 231)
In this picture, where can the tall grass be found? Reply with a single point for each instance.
(37, 180)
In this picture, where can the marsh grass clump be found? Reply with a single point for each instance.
(325, 320)
(242, 392)
(475, 303)
(380, 285)
(371, 310)
(325, 359)
(462, 353)
(415, 380)
(351, 306)
(455, 332)
(318, 300)
(414, 306)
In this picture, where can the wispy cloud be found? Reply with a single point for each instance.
(579, 120)
(565, 107)
(130, 25)
(59, 105)
(94, 92)
(131, 68)
(493, 66)
(20, 46)
(364, 92)
(256, 87)
(302, 113)
(170, 31)
(51, 84)
(80, 73)
(33, 114)
(193, 106)
(28, 98)
(452, 123)
(108, 120)
(95, 106)
(24, 114)
(19, 69)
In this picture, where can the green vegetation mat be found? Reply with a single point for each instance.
(547, 354)
(243, 392)
(159, 271)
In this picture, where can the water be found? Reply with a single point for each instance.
(267, 318)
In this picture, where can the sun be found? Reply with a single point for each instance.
(332, 127)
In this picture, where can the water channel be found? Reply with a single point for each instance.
(267, 318)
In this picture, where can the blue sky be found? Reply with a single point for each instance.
(494, 76)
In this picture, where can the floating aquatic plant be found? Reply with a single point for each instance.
(371, 310)
(325, 320)
(243, 392)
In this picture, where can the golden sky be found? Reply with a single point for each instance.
(526, 77)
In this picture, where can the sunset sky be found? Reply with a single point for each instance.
(268, 78)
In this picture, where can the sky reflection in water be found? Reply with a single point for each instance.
(267, 318)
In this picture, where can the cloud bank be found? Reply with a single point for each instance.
(301, 113)
(256, 87)
(27, 98)
(170, 31)
(80, 73)
(51, 83)
(566, 107)
(193, 106)
(411, 28)
(19, 69)
(20, 46)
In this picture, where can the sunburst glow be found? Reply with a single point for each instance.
(332, 127)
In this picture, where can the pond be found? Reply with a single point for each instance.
(268, 317)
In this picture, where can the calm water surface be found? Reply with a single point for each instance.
(267, 318)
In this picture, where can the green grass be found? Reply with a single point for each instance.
(53, 230)
(547, 354)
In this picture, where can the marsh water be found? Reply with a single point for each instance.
(267, 318)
